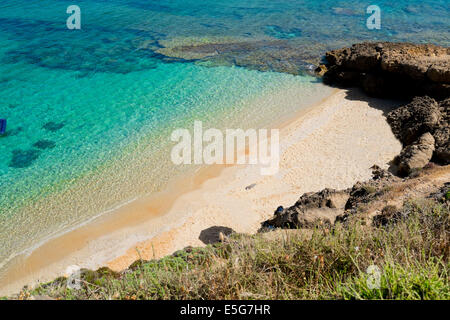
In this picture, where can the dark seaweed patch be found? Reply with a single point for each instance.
(12, 132)
(23, 158)
(53, 126)
(44, 144)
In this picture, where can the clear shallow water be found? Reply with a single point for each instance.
(90, 112)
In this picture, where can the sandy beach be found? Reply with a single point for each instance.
(331, 145)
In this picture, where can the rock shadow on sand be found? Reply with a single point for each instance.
(213, 234)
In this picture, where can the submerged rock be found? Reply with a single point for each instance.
(53, 126)
(271, 53)
(44, 144)
(23, 158)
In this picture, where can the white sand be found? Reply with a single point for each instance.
(333, 145)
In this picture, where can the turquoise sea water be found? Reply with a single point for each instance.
(90, 111)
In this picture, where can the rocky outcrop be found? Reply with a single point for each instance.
(363, 193)
(374, 202)
(389, 214)
(387, 70)
(391, 69)
(442, 195)
(402, 70)
(416, 155)
(423, 128)
(442, 134)
(411, 121)
(312, 208)
(328, 206)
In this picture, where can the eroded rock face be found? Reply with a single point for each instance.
(330, 206)
(412, 121)
(442, 134)
(310, 209)
(416, 155)
(364, 192)
(392, 69)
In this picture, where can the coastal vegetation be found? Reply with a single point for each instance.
(409, 246)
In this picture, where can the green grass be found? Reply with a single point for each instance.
(412, 256)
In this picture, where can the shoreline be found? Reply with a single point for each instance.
(162, 223)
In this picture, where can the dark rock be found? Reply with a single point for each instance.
(373, 84)
(321, 70)
(439, 73)
(379, 174)
(250, 186)
(312, 208)
(329, 206)
(442, 134)
(360, 193)
(363, 193)
(361, 57)
(391, 69)
(442, 152)
(389, 215)
(422, 115)
(410, 122)
(442, 195)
